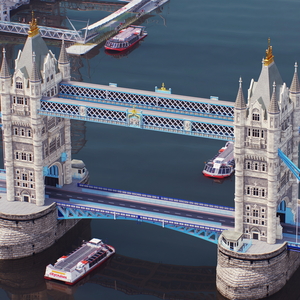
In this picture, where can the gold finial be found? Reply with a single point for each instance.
(269, 55)
(33, 29)
(163, 87)
(133, 111)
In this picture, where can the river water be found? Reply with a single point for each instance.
(197, 48)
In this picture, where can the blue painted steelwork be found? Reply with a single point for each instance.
(247, 244)
(294, 169)
(123, 117)
(293, 246)
(75, 211)
(46, 32)
(51, 172)
(105, 189)
(147, 100)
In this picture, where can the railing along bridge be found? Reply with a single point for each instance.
(142, 109)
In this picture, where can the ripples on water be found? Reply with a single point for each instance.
(198, 48)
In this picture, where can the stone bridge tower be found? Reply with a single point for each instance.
(266, 192)
(37, 149)
(253, 260)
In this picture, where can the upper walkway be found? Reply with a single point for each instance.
(160, 111)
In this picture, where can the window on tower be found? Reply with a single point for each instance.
(255, 191)
(255, 132)
(19, 85)
(255, 117)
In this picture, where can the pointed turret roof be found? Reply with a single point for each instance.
(34, 77)
(295, 86)
(34, 44)
(4, 73)
(262, 89)
(240, 101)
(273, 107)
(63, 56)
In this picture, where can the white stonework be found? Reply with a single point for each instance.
(37, 149)
(268, 122)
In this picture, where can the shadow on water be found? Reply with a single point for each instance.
(23, 278)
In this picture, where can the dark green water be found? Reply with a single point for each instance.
(198, 48)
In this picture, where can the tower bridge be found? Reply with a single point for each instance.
(38, 100)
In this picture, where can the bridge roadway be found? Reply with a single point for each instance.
(207, 215)
(195, 218)
(218, 217)
(168, 113)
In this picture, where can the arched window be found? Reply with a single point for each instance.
(19, 83)
(263, 167)
(22, 131)
(15, 131)
(256, 166)
(248, 190)
(29, 132)
(248, 165)
(255, 132)
(255, 116)
(255, 191)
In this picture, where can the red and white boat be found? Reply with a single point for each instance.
(126, 38)
(78, 264)
(222, 165)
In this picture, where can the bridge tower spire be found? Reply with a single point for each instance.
(64, 63)
(239, 123)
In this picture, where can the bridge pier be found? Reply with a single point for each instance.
(31, 232)
(254, 275)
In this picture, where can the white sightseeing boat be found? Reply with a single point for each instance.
(78, 264)
(222, 165)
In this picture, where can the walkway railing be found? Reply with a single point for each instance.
(149, 100)
(152, 120)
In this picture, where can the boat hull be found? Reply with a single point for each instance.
(217, 176)
(72, 268)
(222, 165)
(124, 48)
(79, 278)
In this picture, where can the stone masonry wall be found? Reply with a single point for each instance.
(254, 276)
(22, 236)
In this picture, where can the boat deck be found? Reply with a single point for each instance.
(123, 35)
(79, 255)
(227, 151)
